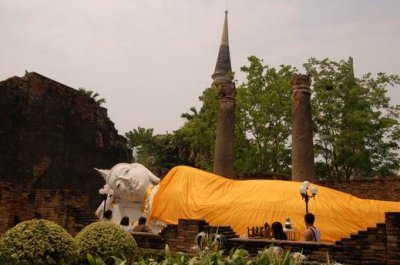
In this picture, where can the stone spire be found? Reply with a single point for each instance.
(351, 71)
(351, 67)
(224, 154)
(223, 66)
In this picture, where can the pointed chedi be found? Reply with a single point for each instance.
(224, 154)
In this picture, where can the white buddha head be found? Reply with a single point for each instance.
(129, 181)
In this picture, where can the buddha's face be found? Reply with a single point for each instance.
(130, 181)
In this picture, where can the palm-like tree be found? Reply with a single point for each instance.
(93, 95)
(191, 115)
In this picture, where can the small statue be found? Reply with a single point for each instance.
(288, 225)
(266, 232)
(289, 230)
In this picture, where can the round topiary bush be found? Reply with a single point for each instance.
(37, 241)
(105, 239)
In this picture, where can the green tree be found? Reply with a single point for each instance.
(93, 95)
(158, 152)
(190, 116)
(356, 130)
(262, 122)
(196, 138)
(139, 137)
(263, 118)
(144, 142)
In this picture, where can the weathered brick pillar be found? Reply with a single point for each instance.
(392, 220)
(302, 136)
(224, 155)
(187, 231)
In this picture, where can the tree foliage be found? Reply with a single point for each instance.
(158, 152)
(356, 130)
(263, 118)
(197, 135)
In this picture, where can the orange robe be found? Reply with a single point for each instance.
(190, 193)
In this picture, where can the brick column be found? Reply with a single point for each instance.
(302, 136)
(187, 231)
(392, 220)
(224, 156)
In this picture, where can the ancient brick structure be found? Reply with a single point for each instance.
(51, 138)
(386, 189)
(392, 238)
(14, 206)
(64, 207)
(181, 237)
(377, 245)
(225, 136)
(302, 137)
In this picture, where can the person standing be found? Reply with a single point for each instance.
(311, 233)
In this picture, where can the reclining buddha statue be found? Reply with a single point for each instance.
(189, 193)
(130, 189)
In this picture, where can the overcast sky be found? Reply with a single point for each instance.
(152, 59)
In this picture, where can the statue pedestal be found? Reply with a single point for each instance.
(131, 210)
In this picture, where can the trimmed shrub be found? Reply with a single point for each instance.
(35, 242)
(156, 255)
(105, 239)
(1, 248)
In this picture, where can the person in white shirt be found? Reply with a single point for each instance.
(125, 223)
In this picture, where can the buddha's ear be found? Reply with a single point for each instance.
(105, 173)
(153, 178)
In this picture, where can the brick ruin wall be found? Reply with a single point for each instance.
(51, 138)
(376, 246)
(67, 208)
(14, 206)
(386, 189)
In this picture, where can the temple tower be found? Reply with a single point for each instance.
(302, 133)
(225, 136)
